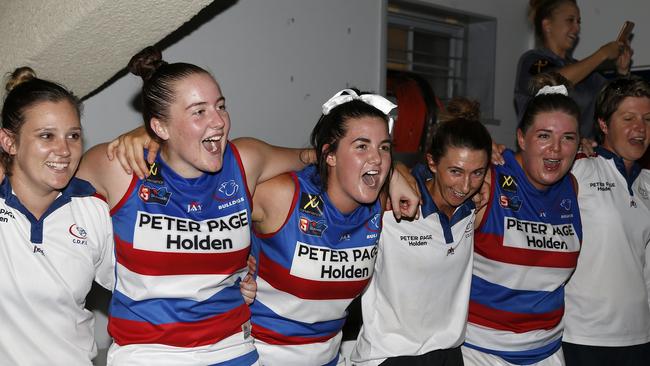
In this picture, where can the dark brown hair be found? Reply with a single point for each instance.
(159, 78)
(331, 128)
(611, 96)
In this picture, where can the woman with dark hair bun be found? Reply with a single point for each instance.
(557, 26)
(182, 233)
(55, 231)
(415, 307)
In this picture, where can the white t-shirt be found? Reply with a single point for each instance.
(607, 298)
(46, 270)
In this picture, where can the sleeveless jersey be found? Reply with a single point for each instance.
(47, 267)
(309, 272)
(606, 298)
(526, 248)
(182, 247)
(418, 296)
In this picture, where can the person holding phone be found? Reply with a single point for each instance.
(557, 26)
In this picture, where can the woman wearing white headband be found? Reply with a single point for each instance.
(527, 241)
(317, 230)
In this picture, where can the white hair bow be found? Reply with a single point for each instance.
(558, 89)
(377, 101)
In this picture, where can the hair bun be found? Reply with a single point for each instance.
(461, 108)
(146, 62)
(19, 76)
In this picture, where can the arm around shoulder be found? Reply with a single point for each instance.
(263, 161)
(108, 177)
(484, 198)
(272, 203)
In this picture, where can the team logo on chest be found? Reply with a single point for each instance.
(643, 193)
(374, 226)
(227, 192)
(79, 234)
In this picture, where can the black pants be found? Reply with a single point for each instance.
(579, 355)
(442, 357)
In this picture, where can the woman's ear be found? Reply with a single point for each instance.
(546, 26)
(603, 126)
(520, 139)
(431, 164)
(159, 128)
(7, 142)
(330, 158)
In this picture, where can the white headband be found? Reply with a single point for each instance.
(377, 101)
(558, 89)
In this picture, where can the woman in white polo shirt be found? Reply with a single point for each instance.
(415, 307)
(607, 318)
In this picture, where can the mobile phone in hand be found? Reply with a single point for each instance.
(626, 30)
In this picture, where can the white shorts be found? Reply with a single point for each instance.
(300, 354)
(238, 345)
(473, 357)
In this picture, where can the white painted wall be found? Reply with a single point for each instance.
(602, 20)
(277, 62)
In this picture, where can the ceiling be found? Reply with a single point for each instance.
(84, 43)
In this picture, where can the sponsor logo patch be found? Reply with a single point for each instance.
(539, 236)
(324, 264)
(154, 175)
(6, 215)
(508, 183)
(152, 194)
(309, 227)
(512, 203)
(602, 186)
(311, 204)
(194, 206)
(163, 233)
